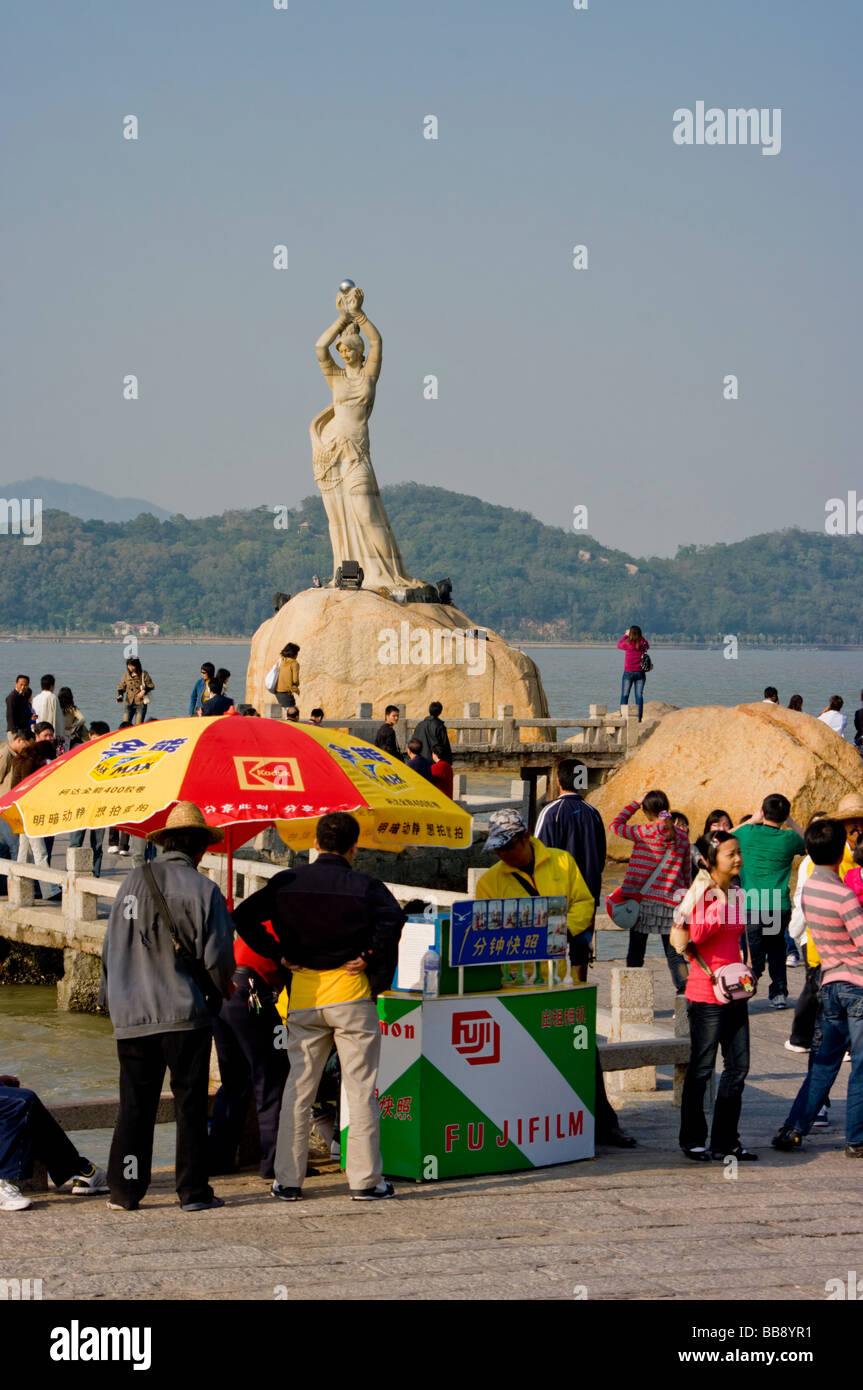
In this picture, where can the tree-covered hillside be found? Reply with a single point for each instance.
(509, 571)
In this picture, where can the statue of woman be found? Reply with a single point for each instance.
(359, 526)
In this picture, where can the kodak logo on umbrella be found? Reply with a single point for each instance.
(253, 773)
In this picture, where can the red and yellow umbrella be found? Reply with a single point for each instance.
(244, 774)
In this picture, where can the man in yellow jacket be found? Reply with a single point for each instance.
(528, 868)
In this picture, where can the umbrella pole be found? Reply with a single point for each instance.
(230, 885)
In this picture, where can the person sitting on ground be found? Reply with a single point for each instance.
(768, 853)
(661, 853)
(715, 928)
(834, 918)
(431, 731)
(385, 737)
(831, 715)
(796, 703)
(29, 1133)
(571, 823)
(201, 687)
(218, 702)
(441, 770)
(771, 695)
(414, 759)
(552, 873)
(288, 683)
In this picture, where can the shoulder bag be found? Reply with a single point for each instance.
(624, 911)
(194, 967)
(731, 982)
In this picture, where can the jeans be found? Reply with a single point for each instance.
(677, 964)
(713, 1026)
(136, 714)
(28, 1132)
(841, 1023)
(249, 1063)
(767, 943)
(630, 679)
(142, 1071)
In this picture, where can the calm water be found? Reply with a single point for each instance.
(574, 677)
(70, 1055)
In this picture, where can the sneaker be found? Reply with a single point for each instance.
(787, 1140)
(12, 1198)
(119, 1206)
(793, 1047)
(779, 1002)
(698, 1154)
(286, 1194)
(792, 962)
(87, 1183)
(374, 1194)
(742, 1155)
(203, 1206)
(854, 1150)
(847, 1057)
(822, 1119)
(112, 849)
(124, 853)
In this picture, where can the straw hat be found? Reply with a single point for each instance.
(849, 808)
(186, 816)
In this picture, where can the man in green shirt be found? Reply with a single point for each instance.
(768, 853)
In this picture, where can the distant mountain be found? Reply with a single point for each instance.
(509, 571)
(83, 502)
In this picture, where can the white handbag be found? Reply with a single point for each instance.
(271, 679)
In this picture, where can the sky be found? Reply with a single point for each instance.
(599, 388)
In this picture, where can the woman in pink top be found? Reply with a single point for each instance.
(634, 644)
(715, 928)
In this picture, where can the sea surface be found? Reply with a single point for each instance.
(574, 677)
(66, 1055)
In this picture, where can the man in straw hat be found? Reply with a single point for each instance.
(168, 947)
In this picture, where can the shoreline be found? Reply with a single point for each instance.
(90, 638)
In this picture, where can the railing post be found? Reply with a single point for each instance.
(20, 888)
(79, 905)
(507, 730)
(471, 711)
(631, 1003)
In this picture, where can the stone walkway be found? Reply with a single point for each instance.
(638, 1224)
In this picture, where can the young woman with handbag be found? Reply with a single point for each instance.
(718, 991)
(636, 664)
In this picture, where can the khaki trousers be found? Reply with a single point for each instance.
(355, 1030)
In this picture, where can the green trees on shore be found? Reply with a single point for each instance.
(509, 572)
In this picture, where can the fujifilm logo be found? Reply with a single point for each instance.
(737, 126)
(76, 1343)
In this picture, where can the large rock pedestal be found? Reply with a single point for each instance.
(714, 756)
(356, 645)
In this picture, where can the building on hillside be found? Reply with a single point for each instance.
(147, 629)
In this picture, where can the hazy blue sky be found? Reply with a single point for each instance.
(600, 387)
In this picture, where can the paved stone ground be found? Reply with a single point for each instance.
(637, 1224)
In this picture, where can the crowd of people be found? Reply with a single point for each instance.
(181, 970)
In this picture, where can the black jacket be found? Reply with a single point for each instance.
(324, 915)
(17, 711)
(431, 731)
(385, 738)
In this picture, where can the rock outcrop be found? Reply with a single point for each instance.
(359, 646)
(712, 755)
